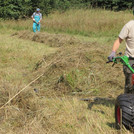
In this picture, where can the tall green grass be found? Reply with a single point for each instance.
(88, 22)
(91, 22)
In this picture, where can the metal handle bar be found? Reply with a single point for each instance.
(123, 60)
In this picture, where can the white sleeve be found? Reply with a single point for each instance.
(33, 15)
(124, 32)
(40, 16)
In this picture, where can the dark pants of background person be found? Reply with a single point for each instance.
(129, 88)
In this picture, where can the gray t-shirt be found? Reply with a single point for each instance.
(37, 14)
(127, 33)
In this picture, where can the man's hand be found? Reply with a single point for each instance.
(39, 22)
(112, 56)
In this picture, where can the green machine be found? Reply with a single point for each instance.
(124, 104)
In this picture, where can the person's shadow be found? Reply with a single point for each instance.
(109, 102)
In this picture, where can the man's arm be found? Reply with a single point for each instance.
(33, 17)
(117, 44)
(123, 35)
(115, 48)
(40, 17)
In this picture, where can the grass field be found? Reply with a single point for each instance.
(70, 55)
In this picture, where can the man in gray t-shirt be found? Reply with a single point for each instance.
(36, 17)
(127, 34)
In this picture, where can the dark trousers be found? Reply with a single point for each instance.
(129, 88)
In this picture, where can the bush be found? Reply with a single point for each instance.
(15, 9)
(112, 4)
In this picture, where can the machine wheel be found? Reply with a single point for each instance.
(124, 111)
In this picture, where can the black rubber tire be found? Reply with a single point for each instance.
(124, 103)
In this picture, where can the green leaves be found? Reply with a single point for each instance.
(15, 9)
(112, 4)
(12, 9)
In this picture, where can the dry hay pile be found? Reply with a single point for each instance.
(79, 69)
(53, 40)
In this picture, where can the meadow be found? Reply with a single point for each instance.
(67, 60)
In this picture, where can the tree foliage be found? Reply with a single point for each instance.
(15, 9)
(113, 4)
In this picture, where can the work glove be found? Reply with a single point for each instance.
(33, 19)
(112, 56)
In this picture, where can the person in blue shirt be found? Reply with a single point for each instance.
(36, 17)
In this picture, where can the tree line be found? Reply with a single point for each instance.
(15, 9)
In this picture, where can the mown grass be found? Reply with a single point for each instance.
(35, 112)
(17, 60)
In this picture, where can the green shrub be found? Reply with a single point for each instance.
(112, 4)
(15, 9)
